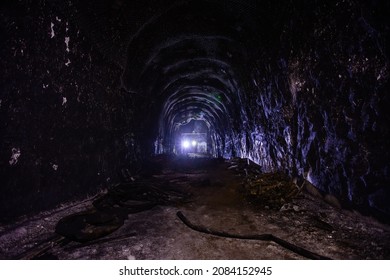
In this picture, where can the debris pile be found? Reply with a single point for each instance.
(269, 190)
(111, 209)
(264, 190)
(244, 167)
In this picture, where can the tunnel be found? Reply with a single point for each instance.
(243, 116)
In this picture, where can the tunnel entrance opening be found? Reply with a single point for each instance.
(192, 139)
(193, 143)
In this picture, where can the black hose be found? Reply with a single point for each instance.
(264, 237)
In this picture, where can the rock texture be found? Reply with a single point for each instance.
(62, 112)
(218, 204)
(88, 90)
(300, 88)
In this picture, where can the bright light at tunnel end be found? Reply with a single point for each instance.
(185, 144)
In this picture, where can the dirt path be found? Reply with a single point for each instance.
(217, 203)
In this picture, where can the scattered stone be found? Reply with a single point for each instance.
(271, 189)
(289, 207)
(285, 207)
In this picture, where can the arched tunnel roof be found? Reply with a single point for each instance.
(93, 88)
(191, 60)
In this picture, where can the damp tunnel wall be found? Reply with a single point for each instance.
(323, 96)
(296, 87)
(67, 129)
(307, 98)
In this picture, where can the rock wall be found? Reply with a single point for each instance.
(63, 116)
(296, 86)
(300, 87)
(319, 103)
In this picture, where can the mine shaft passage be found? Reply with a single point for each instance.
(117, 99)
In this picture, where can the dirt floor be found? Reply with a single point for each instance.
(218, 195)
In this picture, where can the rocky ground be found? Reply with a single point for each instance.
(226, 196)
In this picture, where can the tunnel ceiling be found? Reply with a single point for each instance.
(296, 86)
(185, 60)
(191, 61)
(264, 77)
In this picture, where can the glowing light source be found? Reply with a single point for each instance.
(193, 143)
(185, 144)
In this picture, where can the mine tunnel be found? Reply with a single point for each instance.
(194, 129)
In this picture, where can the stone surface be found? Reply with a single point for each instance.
(158, 234)
(89, 90)
(62, 114)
